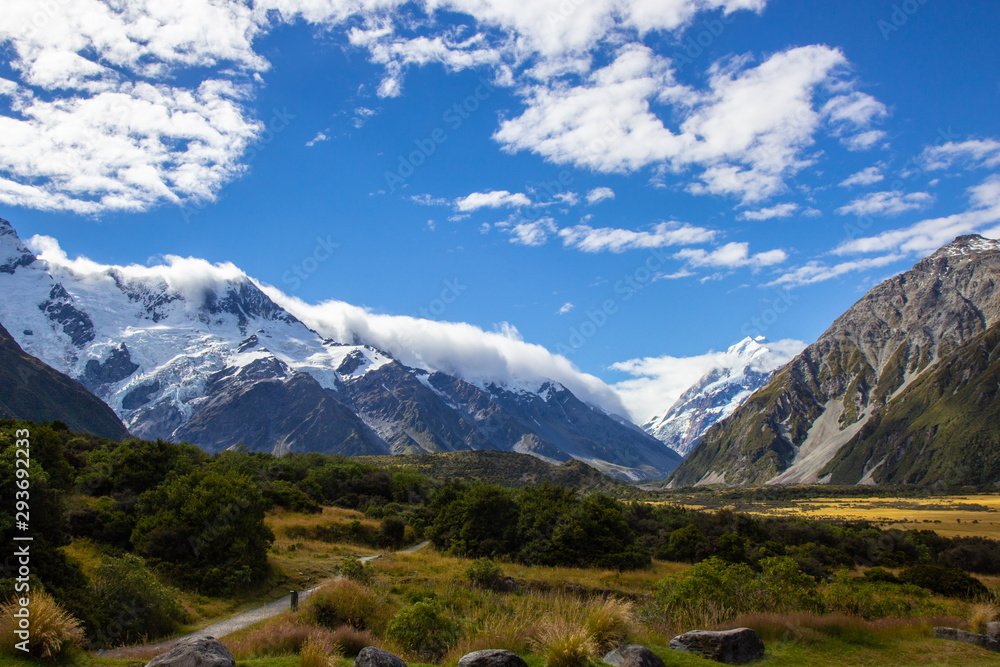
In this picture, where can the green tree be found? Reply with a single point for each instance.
(206, 529)
(134, 606)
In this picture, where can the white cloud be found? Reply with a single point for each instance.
(492, 199)
(320, 136)
(815, 271)
(451, 347)
(427, 200)
(975, 153)
(730, 256)
(189, 276)
(589, 239)
(887, 203)
(747, 130)
(929, 235)
(530, 233)
(565, 308)
(851, 116)
(659, 381)
(866, 176)
(779, 211)
(597, 195)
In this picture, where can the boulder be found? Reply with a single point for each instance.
(195, 652)
(993, 630)
(376, 657)
(491, 657)
(633, 655)
(966, 637)
(732, 647)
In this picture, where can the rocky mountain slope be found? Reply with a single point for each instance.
(216, 362)
(900, 389)
(714, 397)
(32, 390)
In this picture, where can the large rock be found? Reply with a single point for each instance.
(733, 647)
(966, 637)
(633, 655)
(993, 630)
(376, 657)
(195, 652)
(491, 657)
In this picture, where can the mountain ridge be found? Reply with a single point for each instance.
(816, 407)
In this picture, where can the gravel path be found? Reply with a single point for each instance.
(240, 621)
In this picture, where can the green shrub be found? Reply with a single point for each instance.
(135, 606)
(946, 581)
(425, 630)
(485, 573)
(355, 570)
(881, 574)
(863, 598)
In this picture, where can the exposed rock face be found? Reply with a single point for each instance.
(115, 368)
(966, 637)
(195, 652)
(867, 402)
(491, 657)
(376, 657)
(633, 655)
(29, 389)
(732, 647)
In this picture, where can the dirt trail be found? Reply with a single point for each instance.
(239, 621)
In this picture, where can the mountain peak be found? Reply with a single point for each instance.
(969, 244)
(13, 253)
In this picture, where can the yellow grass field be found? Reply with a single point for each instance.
(949, 516)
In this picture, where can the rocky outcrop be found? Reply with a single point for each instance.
(732, 647)
(966, 637)
(376, 657)
(195, 652)
(491, 657)
(633, 655)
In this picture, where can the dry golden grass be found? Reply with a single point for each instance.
(950, 516)
(318, 654)
(52, 631)
(980, 614)
(610, 623)
(564, 644)
(281, 635)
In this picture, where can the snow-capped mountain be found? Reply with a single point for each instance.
(749, 365)
(195, 352)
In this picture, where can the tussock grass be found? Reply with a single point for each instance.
(610, 623)
(286, 634)
(980, 614)
(318, 653)
(345, 602)
(53, 631)
(564, 644)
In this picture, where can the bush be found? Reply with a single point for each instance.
(345, 602)
(863, 598)
(424, 629)
(53, 631)
(355, 570)
(206, 529)
(133, 603)
(610, 623)
(944, 581)
(565, 645)
(485, 573)
(882, 575)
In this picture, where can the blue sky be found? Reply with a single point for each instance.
(634, 183)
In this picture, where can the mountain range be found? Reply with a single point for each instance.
(901, 389)
(216, 362)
